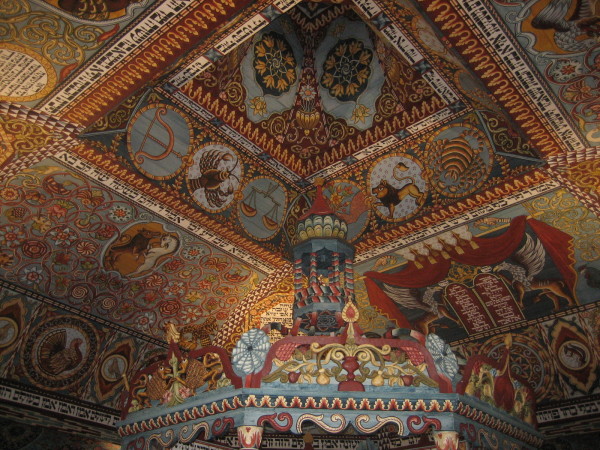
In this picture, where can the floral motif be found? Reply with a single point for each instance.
(57, 211)
(443, 356)
(173, 265)
(360, 113)
(579, 91)
(86, 248)
(41, 224)
(274, 64)
(62, 258)
(144, 321)
(174, 288)
(63, 237)
(307, 92)
(190, 314)
(6, 259)
(9, 194)
(193, 252)
(346, 69)
(169, 308)
(250, 352)
(566, 69)
(32, 275)
(91, 198)
(34, 249)
(105, 232)
(120, 213)
(11, 236)
(193, 296)
(154, 280)
(150, 297)
(258, 106)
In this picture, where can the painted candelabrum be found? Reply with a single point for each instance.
(323, 272)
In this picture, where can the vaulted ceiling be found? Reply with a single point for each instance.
(156, 156)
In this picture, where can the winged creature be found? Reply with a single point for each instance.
(569, 27)
(411, 298)
(531, 258)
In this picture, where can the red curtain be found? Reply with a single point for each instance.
(490, 251)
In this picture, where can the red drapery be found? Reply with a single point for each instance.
(490, 251)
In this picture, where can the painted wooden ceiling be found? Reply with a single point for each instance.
(156, 156)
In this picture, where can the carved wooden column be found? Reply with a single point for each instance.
(250, 437)
(446, 440)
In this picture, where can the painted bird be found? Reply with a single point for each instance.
(56, 357)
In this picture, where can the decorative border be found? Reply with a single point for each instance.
(113, 176)
(464, 211)
(30, 398)
(477, 34)
(153, 42)
(209, 416)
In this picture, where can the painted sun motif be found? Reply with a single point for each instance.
(274, 64)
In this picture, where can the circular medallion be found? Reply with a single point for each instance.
(349, 202)
(114, 367)
(262, 208)
(528, 359)
(60, 352)
(459, 159)
(397, 186)
(213, 176)
(140, 249)
(25, 74)
(158, 139)
(574, 355)
(9, 330)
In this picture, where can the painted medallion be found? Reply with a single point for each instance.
(60, 352)
(397, 186)
(158, 138)
(459, 159)
(263, 207)
(214, 175)
(140, 249)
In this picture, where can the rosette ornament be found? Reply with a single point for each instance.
(250, 352)
(442, 354)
